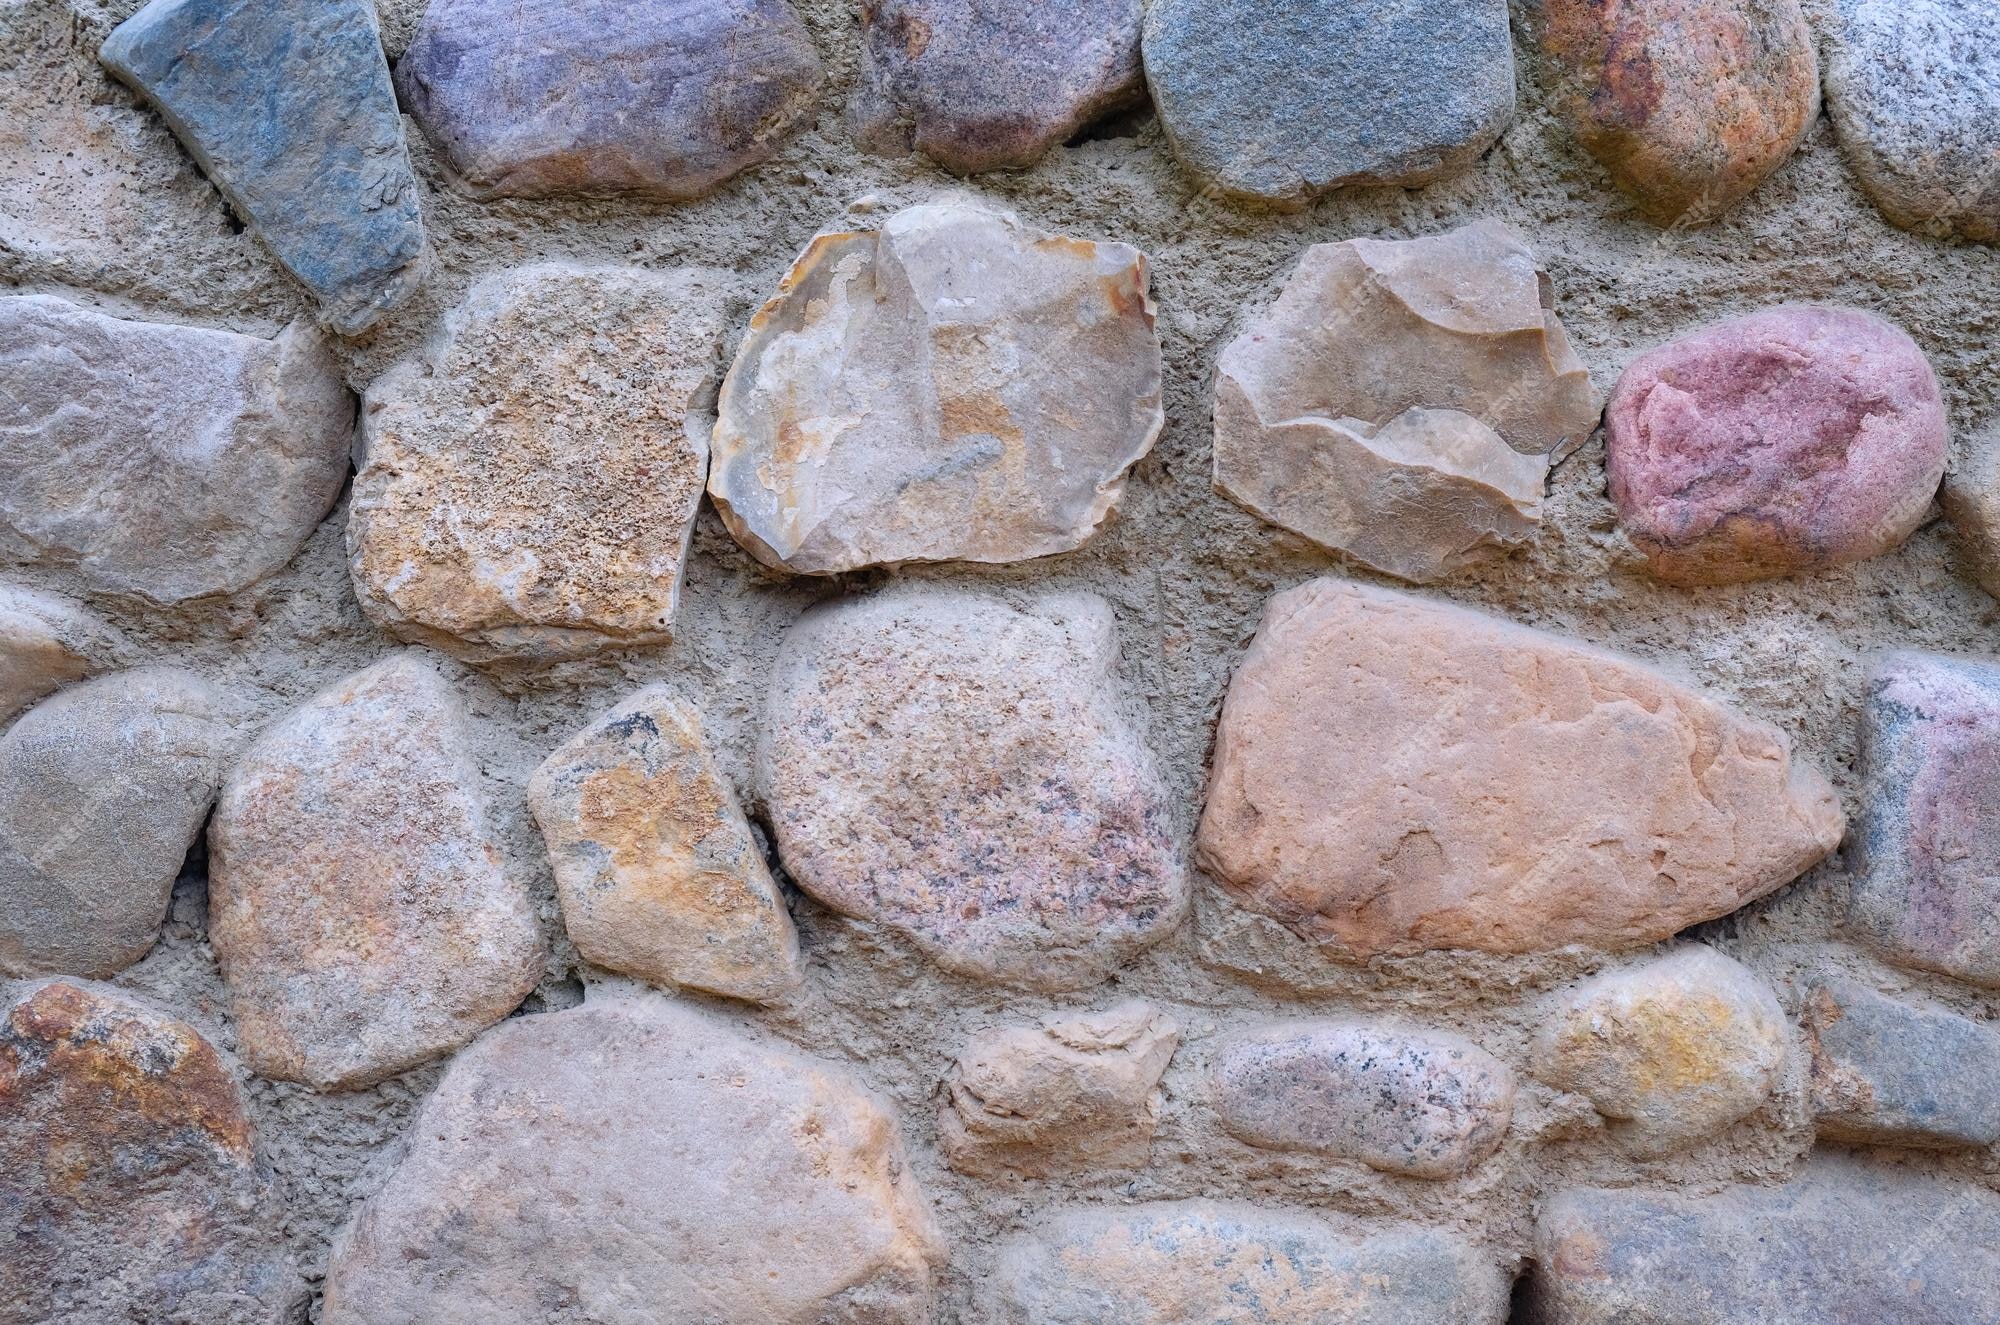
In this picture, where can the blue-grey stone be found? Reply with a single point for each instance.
(287, 105)
(1279, 103)
(1887, 1072)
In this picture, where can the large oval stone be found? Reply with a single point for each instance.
(1393, 774)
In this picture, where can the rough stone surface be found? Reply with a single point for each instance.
(128, 1172)
(287, 107)
(1420, 1103)
(1913, 88)
(668, 98)
(1688, 104)
(1077, 1093)
(47, 641)
(1278, 104)
(1889, 1071)
(1673, 1051)
(1792, 440)
(530, 482)
(357, 899)
(680, 1172)
(1925, 856)
(163, 462)
(658, 874)
(960, 770)
(1401, 399)
(1222, 1263)
(952, 386)
(1845, 1243)
(1971, 501)
(986, 84)
(1379, 754)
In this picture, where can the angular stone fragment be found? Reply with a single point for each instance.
(1396, 775)
(668, 98)
(1925, 858)
(45, 642)
(1401, 399)
(1844, 1243)
(1885, 1071)
(1424, 1104)
(1674, 1051)
(128, 1172)
(529, 484)
(103, 789)
(357, 898)
(961, 770)
(1913, 89)
(1077, 1093)
(1792, 440)
(1971, 500)
(1688, 104)
(632, 1160)
(165, 462)
(952, 386)
(286, 104)
(1278, 104)
(655, 866)
(1178, 1262)
(986, 84)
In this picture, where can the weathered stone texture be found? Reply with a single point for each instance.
(951, 386)
(47, 641)
(358, 901)
(668, 98)
(529, 485)
(960, 770)
(1971, 501)
(1395, 775)
(1885, 1071)
(633, 1160)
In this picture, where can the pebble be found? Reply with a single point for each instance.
(961, 770)
(359, 903)
(1971, 500)
(1786, 442)
(954, 386)
(1886, 1072)
(47, 641)
(1398, 775)
(634, 1160)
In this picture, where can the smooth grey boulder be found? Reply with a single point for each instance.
(1888, 1072)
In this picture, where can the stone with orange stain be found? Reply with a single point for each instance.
(128, 1172)
(657, 871)
(47, 641)
(953, 386)
(1672, 1051)
(635, 1159)
(528, 485)
(359, 902)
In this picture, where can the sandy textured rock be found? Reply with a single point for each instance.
(1424, 87)
(160, 461)
(1971, 500)
(103, 788)
(302, 136)
(1792, 440)
(1401, 399)
(655, 866)
(357, 899)
(1379, 754)
(530, 483)
(47, 641)
(960, 770)
(1913, 88)
(986, 84)
(1688, 104)
(1886, 1071)
(128, 1172)
(1079, 1092)
(952, 386)
(1223, 1263)
(1674, 1050)
(668, 98)
(1925, 857)
(1420, 1103)
(673, 1170)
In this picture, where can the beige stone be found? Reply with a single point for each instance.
(529, 483)
(952, 386)
(1971, 500)
(1397, 775)
(655, 866)
(48, 641)
(1079, 1092)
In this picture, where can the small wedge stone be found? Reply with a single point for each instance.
(1889, 1072)
(47, 641)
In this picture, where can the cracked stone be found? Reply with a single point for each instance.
(47, 641)
(1889, 1072)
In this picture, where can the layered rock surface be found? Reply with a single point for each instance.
(1885, 1071)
